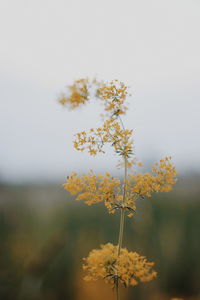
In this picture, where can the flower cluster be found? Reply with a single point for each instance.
(113, 95)
(162, 179)
(94, 189)
(128, 268)
(78, 94)
(112, 133)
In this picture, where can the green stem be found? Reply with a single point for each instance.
(121, 232)
(117, 290)
(122, 215)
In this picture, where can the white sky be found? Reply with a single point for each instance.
(153, 46)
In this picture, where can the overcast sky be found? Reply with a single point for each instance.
(152, 45)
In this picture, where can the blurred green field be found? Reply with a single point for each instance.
(44, 234)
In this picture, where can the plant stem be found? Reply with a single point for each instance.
(117, 290)
(121, 231)
(122, 215)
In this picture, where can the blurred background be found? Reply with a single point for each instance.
(153, 46)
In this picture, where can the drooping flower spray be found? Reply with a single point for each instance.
(114, 264)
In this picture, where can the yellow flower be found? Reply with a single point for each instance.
(162, 180)
(129, 268)
(78, 94)
(113, 95)
(93, 189)
(112, 133)
(109, 190)
(103, 188)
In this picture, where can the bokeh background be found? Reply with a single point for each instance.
(153, 46)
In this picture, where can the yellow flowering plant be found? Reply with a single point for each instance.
(114, 264)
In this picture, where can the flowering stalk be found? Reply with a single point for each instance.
(122, 214)
(121, 227)
(114, 264)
